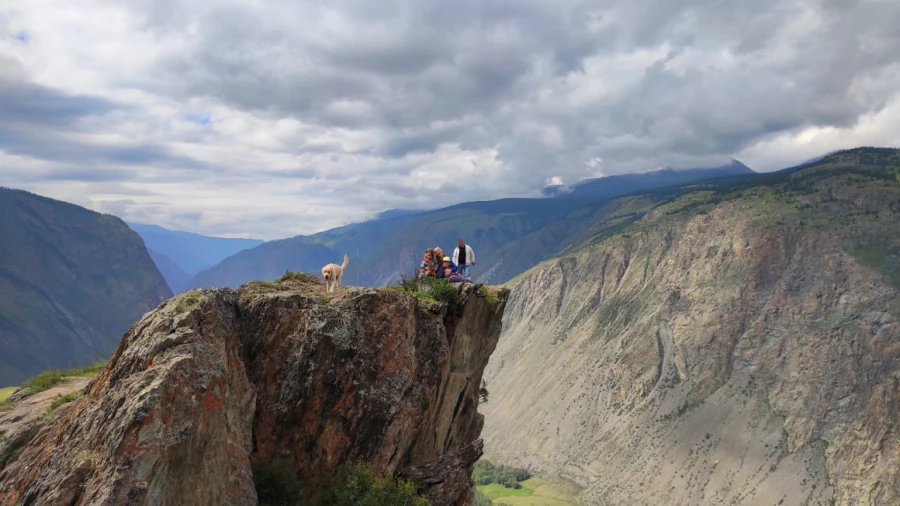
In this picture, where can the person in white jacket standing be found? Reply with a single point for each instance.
(464, 258)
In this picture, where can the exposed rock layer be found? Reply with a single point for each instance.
(213, 383)
(710, 360)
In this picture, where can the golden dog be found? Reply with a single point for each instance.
(333, 274)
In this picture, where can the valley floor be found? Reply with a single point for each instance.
(534, 492)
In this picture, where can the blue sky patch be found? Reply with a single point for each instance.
(21, 37)
(200, 119)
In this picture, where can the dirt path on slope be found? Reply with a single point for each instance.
(31, 408)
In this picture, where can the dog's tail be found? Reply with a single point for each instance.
(346, 261)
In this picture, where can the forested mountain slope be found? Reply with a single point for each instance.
(71, 283)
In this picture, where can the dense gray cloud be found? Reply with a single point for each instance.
(276, 118)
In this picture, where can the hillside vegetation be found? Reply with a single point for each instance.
(72, 281)
(738, 344)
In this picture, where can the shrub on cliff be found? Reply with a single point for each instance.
(481, 499)
(277, 485)
(357, 486)
(297, 276)
(485, 472)
(438, 289)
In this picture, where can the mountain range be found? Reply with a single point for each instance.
(72, 281)
(614, 186)
(179, 255)
(705, 337)
(508, 235)
(59, 321)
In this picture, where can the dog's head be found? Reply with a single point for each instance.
(326, 272)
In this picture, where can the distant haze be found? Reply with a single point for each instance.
(191, 252)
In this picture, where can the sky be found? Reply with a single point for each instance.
(277, 118)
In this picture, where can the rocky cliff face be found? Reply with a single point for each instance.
(730, 357)
(214, 383)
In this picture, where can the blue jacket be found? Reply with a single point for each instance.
(440, 269)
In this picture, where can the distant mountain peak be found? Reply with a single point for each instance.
(662, 176)
(139, 227)
(554, 190)
(396, 213)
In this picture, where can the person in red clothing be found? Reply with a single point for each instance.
(429, 266)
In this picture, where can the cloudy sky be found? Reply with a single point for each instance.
(276, 118)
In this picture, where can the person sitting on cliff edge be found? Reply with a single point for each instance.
(439, 255)
(429, 266)
(448, 271)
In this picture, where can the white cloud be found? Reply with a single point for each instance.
(782, 150)
(277, 118)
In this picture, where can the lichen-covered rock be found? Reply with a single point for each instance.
(215, 382)
(173, 406)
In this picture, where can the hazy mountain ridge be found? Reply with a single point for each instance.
(613, 186)
(172, 272)
(189, 251)
(71, 282)
(736, 346)
(508, 235)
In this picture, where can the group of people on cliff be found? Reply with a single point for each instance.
(455, 270)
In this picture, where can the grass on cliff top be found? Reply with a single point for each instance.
(297, 276)
(438, 289)
(4, 394)
(490, 296)
(48, 379)
(779, 198)
(188, 301)
(429, 288)
(59, 400)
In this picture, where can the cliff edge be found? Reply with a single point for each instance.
(215, 383)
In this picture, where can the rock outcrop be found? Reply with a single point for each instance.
(214, 383)
(745, 355)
